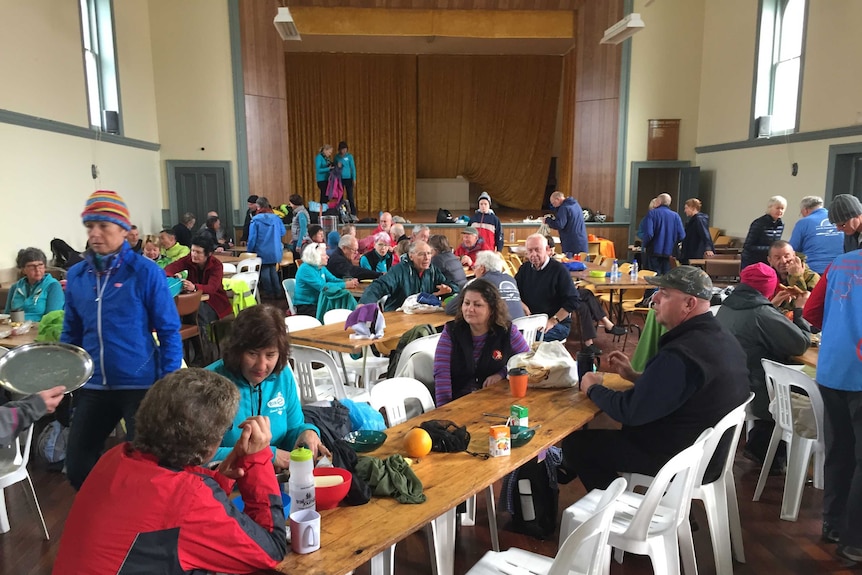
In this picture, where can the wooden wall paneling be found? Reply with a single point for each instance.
(598, 64)
(565, 163)
(265, 103)
(262, 49)
(596, 154)
(269, 169)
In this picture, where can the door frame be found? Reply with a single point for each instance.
(836, 150)
(173, 205)
(636, 167)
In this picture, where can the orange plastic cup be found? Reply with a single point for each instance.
(518, 382)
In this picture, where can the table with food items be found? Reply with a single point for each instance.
(15, 334)
(352, 536)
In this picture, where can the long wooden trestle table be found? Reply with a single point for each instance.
(352, 536)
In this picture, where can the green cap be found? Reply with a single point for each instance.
(300, 454)
(687, 279)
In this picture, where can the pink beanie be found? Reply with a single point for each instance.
(761, 277)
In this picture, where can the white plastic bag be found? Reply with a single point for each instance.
(551, 365)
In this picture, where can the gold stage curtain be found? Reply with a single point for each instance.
(490, 119)
(369, 101)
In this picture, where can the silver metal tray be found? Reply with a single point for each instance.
(35, 367)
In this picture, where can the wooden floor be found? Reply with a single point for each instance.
(772, 546)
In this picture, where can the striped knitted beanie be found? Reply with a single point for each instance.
(105, 206)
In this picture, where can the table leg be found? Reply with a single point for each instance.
(443, 534)
(384, 563)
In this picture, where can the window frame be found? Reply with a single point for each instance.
(767, 63)
(99, 55)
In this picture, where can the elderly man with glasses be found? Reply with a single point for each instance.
(406, 279)
(342, 262)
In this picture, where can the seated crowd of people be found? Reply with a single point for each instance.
(154, 504)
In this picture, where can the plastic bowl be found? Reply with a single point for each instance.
(364, 441)
(330, 497)
(176, 286)
(521, 435)
(5, 332)
(597, 273)
(285, 501)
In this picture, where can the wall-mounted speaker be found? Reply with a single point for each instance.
(763, 126)
(111, 121)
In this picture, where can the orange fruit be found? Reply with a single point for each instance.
(417, 442)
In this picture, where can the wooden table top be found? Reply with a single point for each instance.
(334, 337)
(809, 358)
(14, 341)
(623, 283)
(351, 536)
(226, 258)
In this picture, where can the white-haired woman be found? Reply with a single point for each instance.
(379, 258)
(763, 231)
(312, 276)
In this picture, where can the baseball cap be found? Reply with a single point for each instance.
(687, 279)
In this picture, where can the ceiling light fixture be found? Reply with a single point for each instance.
(284, 24)
(623, 30)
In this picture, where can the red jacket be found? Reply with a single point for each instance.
(133, 515)
(207, 280)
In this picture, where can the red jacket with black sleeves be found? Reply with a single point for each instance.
(207, 280)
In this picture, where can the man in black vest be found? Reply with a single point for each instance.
(697, 377)
(341, 261)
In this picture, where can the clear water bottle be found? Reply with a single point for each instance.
(633, 272)
(615, 272)
(512, 236)
(301, 483)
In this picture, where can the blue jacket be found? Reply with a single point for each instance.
(348, 166)
(570, 223)
(321, 168)
(116, 327)
(36, 300)
(662, 230)
(310, 281)
(697, 238)
(817, 238)
(264, 237)
(840, 362)
(275, 397)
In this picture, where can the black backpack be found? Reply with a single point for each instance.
(535, 500)
(64, 256)
(444, 216)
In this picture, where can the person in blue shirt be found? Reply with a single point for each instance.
(815, 236)
(37, 293)
(264, 239)
(662, 231)
(697, 243)
(255, 360)
(569, 221)
(348, 173)
(312, 276)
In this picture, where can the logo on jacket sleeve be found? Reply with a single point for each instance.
(276, 404)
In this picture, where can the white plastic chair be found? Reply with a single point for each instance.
(368, 369)
(228, 268)
(300, 322)
(656, 523)
(583, 552)
(252, 266)
(390, 394)
(311, 386)
(719, 496)
(417, 360)
(289, 286)
(13, 468)
(780, 379)
(529, 325)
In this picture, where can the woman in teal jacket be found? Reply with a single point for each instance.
(312, 276)
(255, 360)
(323, 164)
(37, 293)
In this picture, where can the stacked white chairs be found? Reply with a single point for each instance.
(312, 387)
(583, 552)
(228, 268)
(251, 266)
(655, 523)
(719, 495)
(530, 326)
(802, 443)
(369, 368)
(13, 468)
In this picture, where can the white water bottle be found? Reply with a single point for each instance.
(633, 272)
(512, 237)
(300, 486)
(615, 272)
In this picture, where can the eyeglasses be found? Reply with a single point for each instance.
(423, 254)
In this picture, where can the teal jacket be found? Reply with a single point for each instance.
(276, 398)
(36, 300)
(348, 166)
(310, 280)
(404, 280)
(321, 167)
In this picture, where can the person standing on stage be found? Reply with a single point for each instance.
(323, 164)
(348, 173)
